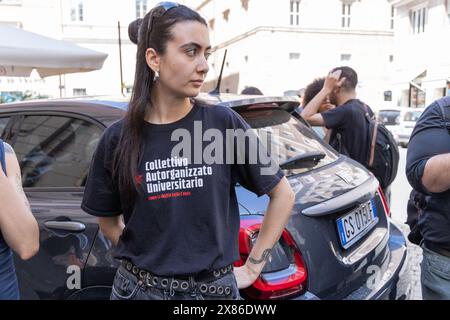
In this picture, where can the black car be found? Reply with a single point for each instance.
(339, 242)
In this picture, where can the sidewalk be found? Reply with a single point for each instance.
(415, 258)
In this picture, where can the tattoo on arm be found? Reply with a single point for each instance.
(18, 180)
(266, 256)
(20, 190)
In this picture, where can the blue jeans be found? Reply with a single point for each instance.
(9, 288)
(127, 286)
(435, 276)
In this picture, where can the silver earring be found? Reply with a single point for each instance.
(156, 75)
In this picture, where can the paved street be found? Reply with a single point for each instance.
(400, 193)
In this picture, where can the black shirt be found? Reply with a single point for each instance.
(348, 121)
(428, 139)
(185, 219)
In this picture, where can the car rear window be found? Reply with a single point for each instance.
(388, 117)
(412, 116)
(289, 136)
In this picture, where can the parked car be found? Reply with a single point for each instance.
(400, 121)
(408, 120)
(340, 242)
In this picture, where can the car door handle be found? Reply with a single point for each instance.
(39, 210)
(72, 226)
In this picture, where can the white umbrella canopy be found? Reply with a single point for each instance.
(22, 51)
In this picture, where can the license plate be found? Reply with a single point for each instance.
(354, 225)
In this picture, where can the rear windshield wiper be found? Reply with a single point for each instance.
(305, 160)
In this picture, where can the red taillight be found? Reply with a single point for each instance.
(385, 205)
(292, 283)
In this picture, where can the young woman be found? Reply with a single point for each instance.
(178, 238)
(19, 230)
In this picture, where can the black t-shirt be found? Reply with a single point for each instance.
(428, 139)
(348, 121)
(185, 219)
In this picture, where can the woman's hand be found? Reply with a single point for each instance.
(112, 228)
(277, 214)
(245, 276)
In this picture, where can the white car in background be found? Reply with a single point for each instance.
(400, 121)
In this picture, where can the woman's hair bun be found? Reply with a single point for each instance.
(133, 30)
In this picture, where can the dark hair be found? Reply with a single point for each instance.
(128, 152)
(252, 90)
(351, 78)
(312, 90)
(133, 30)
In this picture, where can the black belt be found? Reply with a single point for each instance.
(187, 283)
(436, 248)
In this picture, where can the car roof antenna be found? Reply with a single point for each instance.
(216, 91)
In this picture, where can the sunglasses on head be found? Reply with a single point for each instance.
(159, 10)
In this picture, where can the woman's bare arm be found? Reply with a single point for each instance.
(18, 225)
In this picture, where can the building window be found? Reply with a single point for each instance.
(226, 14)
(387, 95)
(418, 19)
(346, 12)
(346, 57)
(211, 24)
(244, 4)
(416, 96)
(392, 17)
(295, 13)
(80, 11)
(79, 92)
(76, 11)
(294, 55)
(141, 8)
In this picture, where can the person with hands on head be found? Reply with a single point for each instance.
(312, 107)
(310, 92)
(173, 218)
(348, 122)
(19, 230)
